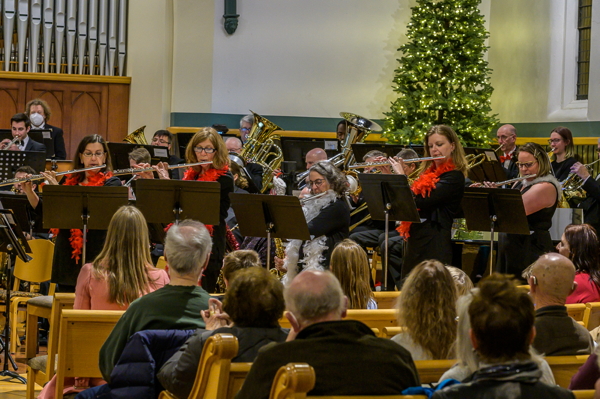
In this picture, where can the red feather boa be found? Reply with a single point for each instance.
(76, 238)
(423, 186)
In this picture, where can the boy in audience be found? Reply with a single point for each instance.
(347, 356)
(551, 281)
(177, 305)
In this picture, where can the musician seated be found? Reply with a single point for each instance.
(164, 138)
(341, 130)
(254, 170)
(591, 204)
(312, 157)
(20, 127)
(245, 126)
(240, 186)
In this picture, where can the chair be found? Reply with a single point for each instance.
(40, 369)
(378, 318)
(38, 270)
(82, 334)
(386, 299)
(389, 332)
(217, 377)
(584, 394)
(294, 380)
(564, 367)
(430, 371)
(577, 312)
(162, 263)
(591, 317)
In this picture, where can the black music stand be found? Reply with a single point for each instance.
(162, 201)
(119, 153)
(82, 207)
(13, 242)
(494, 210)
(388, 197)
(10, 161)
(25, 216)
(276, 216)
(489, 169)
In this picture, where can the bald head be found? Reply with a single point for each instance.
(507, 137)
(551, 280)
(315, 155)
(315, 296)
(233, 144)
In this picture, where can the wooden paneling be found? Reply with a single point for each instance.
(80, 105)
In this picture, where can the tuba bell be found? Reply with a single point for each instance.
(137, 136)
(261, 148)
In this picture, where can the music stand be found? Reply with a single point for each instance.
(24, 215)
(494, 210)
(13, 242)
(162, 201)
(119, 153)
(10, 161)
(82, 207)
(489, 169)
(277, 216)
(388, 197)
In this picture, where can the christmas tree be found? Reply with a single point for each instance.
(443, 77)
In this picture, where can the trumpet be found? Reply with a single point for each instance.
(129, 171)
(42, 177)
(387, 163)
(13, 142)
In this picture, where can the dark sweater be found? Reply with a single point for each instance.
(557, 334)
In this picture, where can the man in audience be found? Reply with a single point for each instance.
(177, 305)
(551, 281)
(347, 357)
(38, 111)
(20, 126)
(507, 137)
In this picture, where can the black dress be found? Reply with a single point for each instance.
(432, 238)
(65, 269)
(562, 169)
(517, 251)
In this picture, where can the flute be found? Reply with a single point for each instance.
(387, 163)
(516, 179)
(42, 177)
(129, 171)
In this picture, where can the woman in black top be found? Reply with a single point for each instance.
(563, 152)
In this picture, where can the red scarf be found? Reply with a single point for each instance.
(423, 186)
(76, 238)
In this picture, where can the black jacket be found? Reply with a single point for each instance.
(178, 374)
(57, 135)
(508, 381)
(34, 146)
(347, 357)
(591, 205)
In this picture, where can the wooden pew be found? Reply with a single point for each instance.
(82, 333)
(430, 371)
(577, 311)
(584, 394)
(294, 380)
(217, 377)
(41, 368)
(564, 367)
(379, 318)
(591, 318)
(386, 299)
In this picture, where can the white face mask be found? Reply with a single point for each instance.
(36, 119)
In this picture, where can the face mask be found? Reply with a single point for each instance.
(36, 119)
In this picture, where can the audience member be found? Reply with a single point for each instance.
(254, 302)
(176, 305)
(588, 375)
(551, 282)
(38, 111)
(580, 244)
(427, 308)
(468, 361)
(349, 264)
(347, 357)
(463, 283)
(502, 318)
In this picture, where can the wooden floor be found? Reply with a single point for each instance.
(11, 388)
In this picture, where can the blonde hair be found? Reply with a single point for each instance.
(463, 283)
(125, 258)
(427, 307)
(350, 265)
(458, 155)
(208, 133)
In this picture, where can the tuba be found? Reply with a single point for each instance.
(261, 148)
(137, 136)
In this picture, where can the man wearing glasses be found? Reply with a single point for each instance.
(245, 125)
(164, 138)
(507, 138)
(591, 205)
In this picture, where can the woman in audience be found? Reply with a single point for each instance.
(580, 243)
(427, 308)
(502, 330)
(254, 302)
(234, 261)
(468, 361)
(463, 283)
(350, 265)
(120, 274)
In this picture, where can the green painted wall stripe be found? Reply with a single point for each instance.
(312, 124)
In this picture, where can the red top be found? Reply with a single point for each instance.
(586, 291)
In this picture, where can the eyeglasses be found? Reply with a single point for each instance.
(502, 138)
(554, 141)
(155, 140)
(207, 150)
(317, 182)
(93, 154)
(526, 164)
(244, 129)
